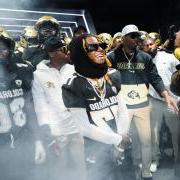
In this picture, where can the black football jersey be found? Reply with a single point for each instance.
(102, 110)
(16, 105)
(34, 54)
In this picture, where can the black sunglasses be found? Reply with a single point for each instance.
(94, 47)
(134, 36)
(63, 49)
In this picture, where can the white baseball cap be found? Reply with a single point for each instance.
(131, 28)
(118, 34)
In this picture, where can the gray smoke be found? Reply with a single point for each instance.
(41, 172)
(20, 4)
(8, 16)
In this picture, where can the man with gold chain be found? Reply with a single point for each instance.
(60, 128)
(138, 71)
(93, 98)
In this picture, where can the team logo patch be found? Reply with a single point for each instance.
(133, 94)
(50, 84)
(18, 82)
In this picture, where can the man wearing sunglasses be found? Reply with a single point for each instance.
(46, 27)
(93, 98)
(138, 71)
(63, 142)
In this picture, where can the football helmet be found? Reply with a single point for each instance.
(106, 38)
(156, 37)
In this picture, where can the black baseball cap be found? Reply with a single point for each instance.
(53, 43)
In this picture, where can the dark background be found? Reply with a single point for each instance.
(112, 15)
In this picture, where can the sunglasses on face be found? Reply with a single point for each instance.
(134, 36)
(63, 49)
(47, 32)
(95, 47)
(32, 40)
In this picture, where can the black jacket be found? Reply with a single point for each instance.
(135, 74)
(16, 105)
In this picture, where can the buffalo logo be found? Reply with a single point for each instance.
(133, 94)
(18, 82)
(50, 84)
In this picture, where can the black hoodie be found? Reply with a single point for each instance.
(83, 64)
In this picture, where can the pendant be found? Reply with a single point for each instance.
(102, 97)
(132, 71)
(129, 65)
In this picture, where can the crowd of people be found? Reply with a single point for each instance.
(77, 108)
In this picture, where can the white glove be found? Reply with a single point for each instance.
(40, 153)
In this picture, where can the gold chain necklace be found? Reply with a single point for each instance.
(129, 59)
(99, 87)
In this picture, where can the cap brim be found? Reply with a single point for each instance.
(134, 32)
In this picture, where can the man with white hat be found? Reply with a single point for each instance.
(138, 71)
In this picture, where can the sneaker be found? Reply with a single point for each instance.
(153, 167)
(140, 165)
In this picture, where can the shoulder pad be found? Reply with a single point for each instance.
(70, 80)
(111, 70)
(28, 63)
(21, 65)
